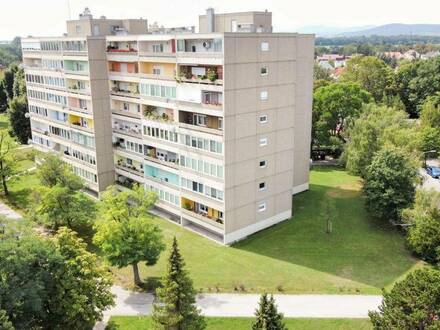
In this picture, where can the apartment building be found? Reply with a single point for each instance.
(217, 123)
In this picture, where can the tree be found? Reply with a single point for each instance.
(412, 303)
(52, 283)
(5, 324)
(429, 138)
(416, 81)
(60, 206)
(333, 107)
(371, 73)
(3, 97)
(7, 164)
(83, 286)
(267, 315)
(390, 183)
(20, 125)
(125, 232)
(376, 126)
(424, 220)
(430, 112)
(8, 80)
(175, 307)
(320, 73)
(19, 86)
(59, 201)
(54, 171)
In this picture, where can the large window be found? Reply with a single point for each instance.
(157, 90)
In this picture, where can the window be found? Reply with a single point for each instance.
(200, 120)
(78, 29)
(158, 48)
(263, 95)
(157, 70)
(264, 46)
(262, 207)
(220, 124)
(263, 142)
(263, 119)
(264, 71)
(263, 163)
(262, 186)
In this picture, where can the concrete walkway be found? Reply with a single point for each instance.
(7, 212)
(224, 305)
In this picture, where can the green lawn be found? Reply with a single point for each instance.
(298, 256)
(242, 323)
(4, 121)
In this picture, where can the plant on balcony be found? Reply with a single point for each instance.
(165, 117)
(187, 206)
(212, 74)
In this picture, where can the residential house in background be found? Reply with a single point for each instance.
(217, 123)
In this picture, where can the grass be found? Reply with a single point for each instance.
(4, 121)
(298, 256)
(242, 323)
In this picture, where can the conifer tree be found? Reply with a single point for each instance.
(267, 315)
(175, 307)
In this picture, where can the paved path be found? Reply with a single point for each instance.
(313, 306)
(9, 213)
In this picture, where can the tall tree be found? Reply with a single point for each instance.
(376, 126)
(19, 86)
(7, 163)
(59, 201)
(390, 183)
(175, 307)
(333, 108)
(52, 283)
(412, 303)
(125, 232)
(8, 80)
(3, 97)
(371, 73)
(424, 230)
(267, 316)
(20, 124)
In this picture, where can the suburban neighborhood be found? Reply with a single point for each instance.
(217, 172)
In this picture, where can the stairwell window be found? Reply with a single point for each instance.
(262, 186)
(262, 207)
(263, 142)
(264, 71)
(263, 163)
(264, 95)
(263, 119)
(264, 46)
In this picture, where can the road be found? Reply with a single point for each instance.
(429, 182)
(224, 305)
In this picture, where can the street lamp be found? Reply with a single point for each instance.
(27, 115)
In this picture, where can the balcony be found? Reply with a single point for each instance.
(130, 166)
(127, 128)
(81, 126)
(124, 89)
(202, 213)
(126, 48)
(162, 157)
(151, 112)
(200, 122)
(201, 74)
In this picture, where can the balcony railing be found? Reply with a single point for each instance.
(204, 217)
(130, 132)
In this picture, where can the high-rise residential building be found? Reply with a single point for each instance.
(217, 123)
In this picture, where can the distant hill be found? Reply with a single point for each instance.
(331, 31)
(397, 29)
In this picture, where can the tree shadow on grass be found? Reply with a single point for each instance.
(358, 248)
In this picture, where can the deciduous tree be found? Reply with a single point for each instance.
(424, 220)
(7, 164)
(175, 307)
(20, 124)
(125, 232)
(390, 183)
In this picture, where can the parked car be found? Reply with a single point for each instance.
(433, 171)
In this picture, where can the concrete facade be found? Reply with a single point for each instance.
(217, 124)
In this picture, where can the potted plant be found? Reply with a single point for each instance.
(212, 74)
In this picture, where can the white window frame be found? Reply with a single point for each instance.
(263, 119)
(264, 95)
(263, 141)
(262, 207)
(264, 46)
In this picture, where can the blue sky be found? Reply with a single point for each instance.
(46, 17)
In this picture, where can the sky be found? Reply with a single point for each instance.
(47, 17)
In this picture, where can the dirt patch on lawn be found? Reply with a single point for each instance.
(346, 190)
